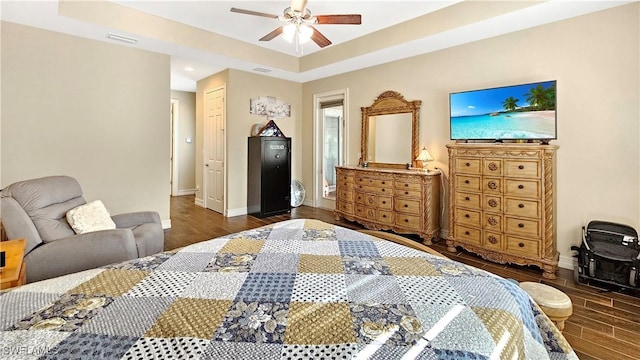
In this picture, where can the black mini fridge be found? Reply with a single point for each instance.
(269, 176)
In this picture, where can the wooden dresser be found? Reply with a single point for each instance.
(404, 201)
(502, 203)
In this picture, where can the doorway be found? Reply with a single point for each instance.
(330, 144)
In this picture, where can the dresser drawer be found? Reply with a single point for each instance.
(523, 246)
(522, 227)
(344, 185)
(344, 177)
(469, 217)
(374, 182)
(492, 222)
(467, 182)
(407, 185)
(408, 221)
(346, 195)
(522, 168)
(468, 200)
(523, 188)
(492, 167)
(407, 206)
(384, 202)
(360, 210)
(407, 193)
(385, 216)
(345, 207)
(492, 185)
(522, 207)
(365, 212)
(492, 203)
(467, 233)
(492, 240)
(374, 189)
(468, 165)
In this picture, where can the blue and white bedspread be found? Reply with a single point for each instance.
(297, 289)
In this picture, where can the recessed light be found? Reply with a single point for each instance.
(189, 68)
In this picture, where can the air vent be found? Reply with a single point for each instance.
(122, 38)
(262, 70)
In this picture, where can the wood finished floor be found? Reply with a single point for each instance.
(604, 325)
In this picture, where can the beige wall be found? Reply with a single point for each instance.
(241, 87)
(88, 109)
(185, 128)
(594, 58)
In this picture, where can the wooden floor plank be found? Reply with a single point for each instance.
(602, 326)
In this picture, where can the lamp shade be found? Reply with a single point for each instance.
(424, 155)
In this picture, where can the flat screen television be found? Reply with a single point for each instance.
(516, 112)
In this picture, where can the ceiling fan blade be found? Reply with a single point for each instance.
(272, 35)
(319, 39)
(347, 19)
(298, 5)
(251, 12)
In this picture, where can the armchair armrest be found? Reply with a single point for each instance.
(80, 252)
(132, 219)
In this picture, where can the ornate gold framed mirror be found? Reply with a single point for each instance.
(390, 129)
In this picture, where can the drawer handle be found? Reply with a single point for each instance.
(406, 205)
(406, 193)
(521, 245)
(520, 167)
(406, 220)
(493, 239)
(467, 233)
(406, 185)
(521, 206)
(384, 202)
(467, 164)
(492, 166)
(467, 198)
(467, 216)
(521, 186)
(384, 216)
(466, 181)
(521, 225)
(383, 183)
(383, 190)
(492, 185)
(493, 203)
(492, 221)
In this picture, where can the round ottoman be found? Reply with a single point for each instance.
(555, 304)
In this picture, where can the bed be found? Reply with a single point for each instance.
(296, 289)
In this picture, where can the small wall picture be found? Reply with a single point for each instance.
(270, 107)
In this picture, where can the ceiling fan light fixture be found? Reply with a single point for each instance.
(304, 32)
(289, 32)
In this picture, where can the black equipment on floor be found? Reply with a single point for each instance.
(609, 253)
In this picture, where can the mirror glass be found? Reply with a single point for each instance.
(390, 131)
(394, 146)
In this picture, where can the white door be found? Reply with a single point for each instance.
(330, 144)
(214, 154)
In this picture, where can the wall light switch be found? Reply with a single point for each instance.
(188, 140)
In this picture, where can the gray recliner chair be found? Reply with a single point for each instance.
(36, 210)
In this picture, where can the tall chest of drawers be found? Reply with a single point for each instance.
(404, 201)
(502, 203)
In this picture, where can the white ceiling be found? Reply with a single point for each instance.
(214, 16)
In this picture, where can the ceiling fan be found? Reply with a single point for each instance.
(298, 21)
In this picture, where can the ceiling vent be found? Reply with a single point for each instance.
(262, 70)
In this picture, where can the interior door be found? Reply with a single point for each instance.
(214, 150)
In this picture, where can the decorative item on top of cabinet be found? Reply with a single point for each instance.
(404, 201)
(502, 203)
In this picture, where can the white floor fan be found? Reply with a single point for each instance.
(297, 193)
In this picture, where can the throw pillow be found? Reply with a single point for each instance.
(89, 217)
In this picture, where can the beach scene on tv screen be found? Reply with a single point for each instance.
(525, 111)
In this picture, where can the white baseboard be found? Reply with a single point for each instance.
(236, 212)
(199, 202)
(185, 192)
(308, 202)
(166, 224)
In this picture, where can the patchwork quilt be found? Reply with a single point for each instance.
(297, 289)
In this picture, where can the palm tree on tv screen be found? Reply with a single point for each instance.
(541, 98)
(510, 103)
